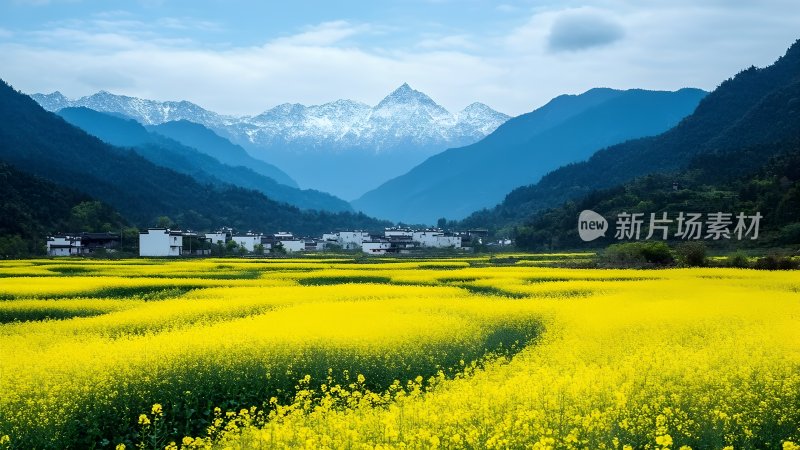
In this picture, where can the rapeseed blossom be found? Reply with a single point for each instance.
(457, 353)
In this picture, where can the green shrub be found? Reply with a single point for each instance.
(767, 263)
(738, 259)
(638, 253)
(775, 262)
(787, 263)
(691, 254)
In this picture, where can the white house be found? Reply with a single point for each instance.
(293, 245)
(217, 238)
(160, 242)
(315, 245)
(436, 239)
(248, 241)
(397, 233)
(352, 239)
(376, 247)
(81, 244)
(63, 245)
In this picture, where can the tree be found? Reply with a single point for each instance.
(129, 239)
(441, 223)
(164, 222)
(258, 249)
(230, 247)
(89, 216)
(277, 249)
(13, 247)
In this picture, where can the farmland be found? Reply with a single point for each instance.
(340, 352)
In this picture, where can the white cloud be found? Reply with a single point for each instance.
(667, 45)
(327, 33)
(452, 42)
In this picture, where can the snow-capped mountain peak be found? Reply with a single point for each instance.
(480, 118)
(318, 144)
(147, 112)
(405, 119)
(406, 95)
(405, 104)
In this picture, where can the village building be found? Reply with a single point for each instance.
(293, 245)
(436, 239)
(347, 240)
(248, 241)
(166, 242)
(315, 245)
(398, 233)
(81, 243)
(221, 236)
(376, 247)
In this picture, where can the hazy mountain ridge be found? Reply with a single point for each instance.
(569, 128)
(746, 120)
(146, 112)
(405, 115)
(343, 147)
(204, 139)
(166, 152)
(39, 142)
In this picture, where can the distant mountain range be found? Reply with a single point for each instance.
(343, 147)
(159, 147)
(568, 129)
(737, 152)
(207, 141)
(43, 144)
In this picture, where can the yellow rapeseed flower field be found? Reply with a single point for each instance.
(408, 353)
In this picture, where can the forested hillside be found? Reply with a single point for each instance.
(718, 182)
(31, 208)
(188, 160)
(745, 121)
(41, 143)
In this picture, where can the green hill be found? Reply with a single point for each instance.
(755, 113)
(41, 143)
(185, 159)
(570, 128)
(32, 208)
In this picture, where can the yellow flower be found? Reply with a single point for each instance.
(157, 410)
(143, 419)
(664, 440)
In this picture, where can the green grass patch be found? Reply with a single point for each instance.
(320, 281)
(491, 290)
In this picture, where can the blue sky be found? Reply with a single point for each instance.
(242, 57)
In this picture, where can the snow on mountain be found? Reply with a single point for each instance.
(342, 147)
(146, 112)
(406, 118)
(479, 119)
